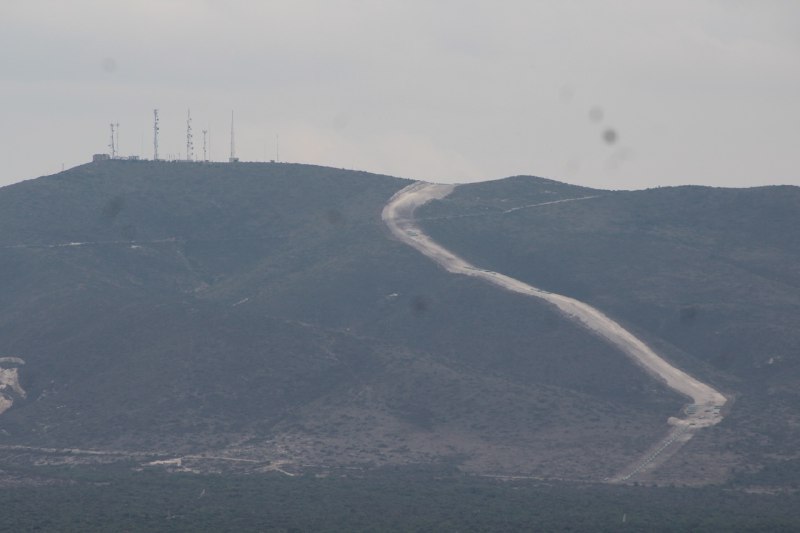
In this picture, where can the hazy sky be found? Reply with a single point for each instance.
(615, 94)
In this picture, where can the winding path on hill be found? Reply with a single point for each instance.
(398, 215)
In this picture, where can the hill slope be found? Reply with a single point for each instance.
(263, 312)
(708, 275)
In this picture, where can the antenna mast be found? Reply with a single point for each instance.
(233, 158)
(205, 146)
(189, 143)
(113, 144)
(155, 134)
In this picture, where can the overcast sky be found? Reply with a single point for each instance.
(615, 94)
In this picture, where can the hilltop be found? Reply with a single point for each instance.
(263, 312)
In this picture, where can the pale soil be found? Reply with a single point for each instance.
(9, 383)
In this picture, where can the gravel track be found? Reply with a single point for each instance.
(707, 402)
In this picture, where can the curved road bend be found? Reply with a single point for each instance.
(398, 214)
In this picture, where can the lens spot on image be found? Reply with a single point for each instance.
(596, 114)
(108, 64)
(419, 305)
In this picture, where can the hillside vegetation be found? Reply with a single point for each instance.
(262, 312)
(709, 276)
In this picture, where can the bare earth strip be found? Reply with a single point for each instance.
(398, 215)
(9, 382)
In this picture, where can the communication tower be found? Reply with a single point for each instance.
(233, 158)
(205, 146)
(189, 143)
(155, 134)
(113, 144)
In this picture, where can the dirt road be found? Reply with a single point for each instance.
(398, 215)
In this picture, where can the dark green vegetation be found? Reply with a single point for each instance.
(709, 276)
(115, 499)
(256, 317)
(261, 311)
